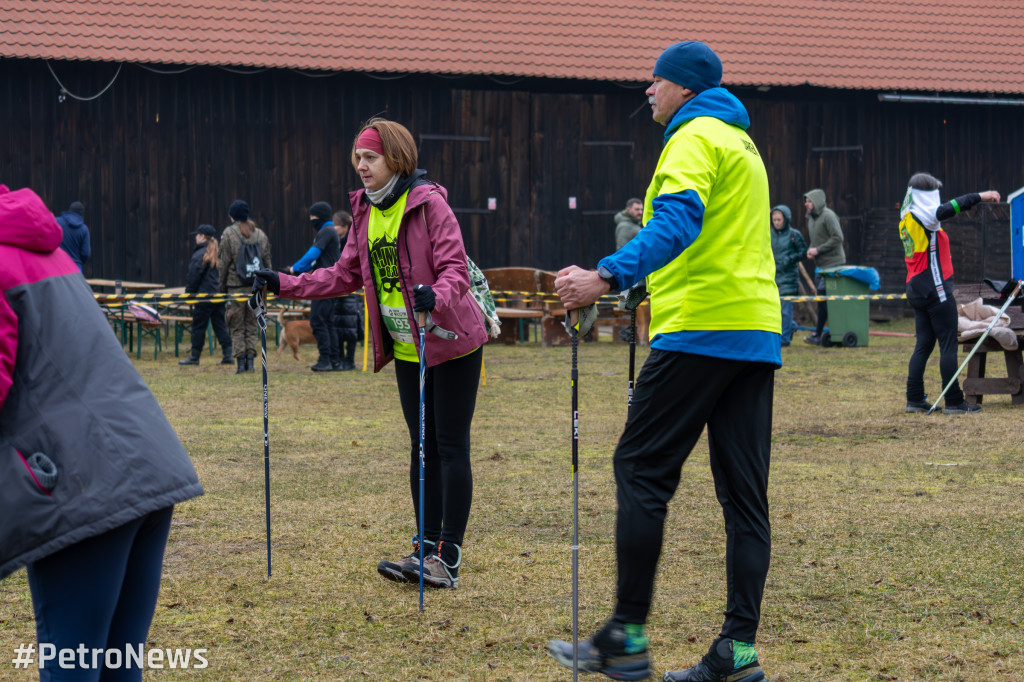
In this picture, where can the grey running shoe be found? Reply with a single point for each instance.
(393, 570)
(963, 408)
(436, 572)
(722, 663)
(610, 652)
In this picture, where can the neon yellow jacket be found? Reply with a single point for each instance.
(705, 246)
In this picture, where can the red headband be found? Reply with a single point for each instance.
(370, 139)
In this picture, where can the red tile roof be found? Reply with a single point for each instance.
(933, 45)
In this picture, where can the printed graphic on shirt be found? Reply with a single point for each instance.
(384, 259)
(907, 239)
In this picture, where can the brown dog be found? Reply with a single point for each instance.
(294, 333)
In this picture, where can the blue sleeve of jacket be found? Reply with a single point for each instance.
(306, 261)
(675, 224)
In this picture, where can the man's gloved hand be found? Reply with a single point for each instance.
(423, 298)
(267, 278)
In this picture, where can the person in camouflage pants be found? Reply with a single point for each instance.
(241, 320)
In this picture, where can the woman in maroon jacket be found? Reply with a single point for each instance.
(405, 249)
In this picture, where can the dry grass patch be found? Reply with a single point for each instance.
(897, 548)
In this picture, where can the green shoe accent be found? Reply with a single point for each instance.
(743, 653)
(636, 637)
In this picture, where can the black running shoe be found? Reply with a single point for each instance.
(963, 408)
(611, 652)
(919, 405)
(722, 663)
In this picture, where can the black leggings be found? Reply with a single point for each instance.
(448, 479)
(212, 313)
(678, 394)
(934, 320)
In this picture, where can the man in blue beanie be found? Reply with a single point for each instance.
(705, 252)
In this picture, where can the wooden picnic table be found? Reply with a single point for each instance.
(976, 385)
(127, 286)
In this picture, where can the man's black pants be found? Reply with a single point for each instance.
(821, 290)
(677, 394)
(934, 320)
(321, 322)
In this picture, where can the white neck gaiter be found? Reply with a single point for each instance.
(377, 196)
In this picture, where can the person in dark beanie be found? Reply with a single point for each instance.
(204, 278)
(705, 243)
(323, 254)
(348, 309)
(244, 249)
(75, 241)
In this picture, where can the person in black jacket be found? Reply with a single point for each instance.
(204, 278)
(348, 310)
(324, 253)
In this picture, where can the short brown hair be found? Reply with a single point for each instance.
(343, 218)
(399, 147)
(631, 202)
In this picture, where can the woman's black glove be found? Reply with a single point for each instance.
(423, 298)
(267, 278)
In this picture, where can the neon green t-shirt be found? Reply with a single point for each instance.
(383, 238)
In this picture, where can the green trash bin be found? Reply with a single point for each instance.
(847, 320)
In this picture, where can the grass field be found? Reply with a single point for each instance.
(897, 548)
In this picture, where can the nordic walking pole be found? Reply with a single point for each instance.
(574, 334)
(421, 321)
(981, 339)
(632, 355)
(258, 303)
(634, 297)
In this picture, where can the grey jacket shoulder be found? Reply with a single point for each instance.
(77, 399)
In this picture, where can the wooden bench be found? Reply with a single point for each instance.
(976, 385)
(515, 300)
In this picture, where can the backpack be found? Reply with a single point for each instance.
(482, 295)
(481, 292)
(247, 262)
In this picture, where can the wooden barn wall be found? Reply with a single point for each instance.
(159, 153)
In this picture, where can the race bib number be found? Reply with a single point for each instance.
(397, 323)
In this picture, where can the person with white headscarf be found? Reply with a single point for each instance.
(930, 286)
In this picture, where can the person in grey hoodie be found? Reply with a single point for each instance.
(90, 468)
(75, 239)
(826, 249)
(789, 248)
(627, 222)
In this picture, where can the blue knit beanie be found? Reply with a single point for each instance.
(691, 64)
